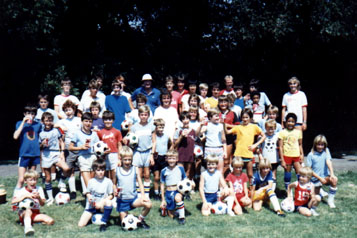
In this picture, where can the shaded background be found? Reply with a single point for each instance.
(43, 41)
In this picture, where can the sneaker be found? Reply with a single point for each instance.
(73, 195)
(280, 213)
(142, 224)
(314, 213)
(62, 187)
(29, 231)
(103, 227)
(49, 201)
(181, 221)
(323, 193)
(331, 204)
(231, 213)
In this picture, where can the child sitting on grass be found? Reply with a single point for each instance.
(31, 191)
(305, 200)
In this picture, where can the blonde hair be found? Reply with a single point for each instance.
(319, 138)
(228, 77)
(231, 97)
(212, 159)
(203, 86)
(144, 108)
(31, 174)
(212, 112)
(172, 152)
(264, 163)
(270, 123)
(126, 151)
(295, 80)
(159, 122)
(273, 109)
(306, 171)
(237, 162)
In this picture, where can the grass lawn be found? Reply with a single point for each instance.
(339, 222)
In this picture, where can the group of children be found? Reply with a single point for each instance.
(209, 140)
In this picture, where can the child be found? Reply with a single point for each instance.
(319, 159)
(263, 101)
(258, 110)
(228, 82)
(163, 142)
(52, 153)
(43, 102)
(95, 109)
(270, 147)
(85, 103)
(27, 131)
(295, 102)
(70, 125)
(290, 148)
(112, 137)
(261, 189)
(167, 113)
(181, 85)
(272, 112)
(245, 145)
(98, 77)
(133, 116)
(192, 87)
(238, 89)
(213, 100)
(63, 97)
(234, 108)
(99, 194)
(121, 80)
(83, 141)
(127, 177)
(237, 181)
(31, 191)
(194, 100)
(171, 199)
(305, 200)
(203, 89)
(175, 96)
(210, 182)
(143, 153)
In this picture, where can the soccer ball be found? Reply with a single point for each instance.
(62, 198)
(287, 205)
(130, 222)
(100, 147)
(27, 203)
(219, 208)
(125, 125)
(97, 219)
(132, 139)
(197, 151)
(184, 186)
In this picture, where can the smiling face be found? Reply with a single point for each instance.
(193, 115)
(127, 161)
(264, 171)
(245, 119)
(160, 129)
(270, 130)
(215, 118)
(215, 92)
(211, 167)
(193, 102)
(66, 88)
(223, 105)
(171, 160)
(293, 85)
(192, 88)
(48, 122)
(185, 122)
(108, 123)
(144, 116)
(147, 84)
(180, 85)
(320, 146)
(290, 123)
(87, 124)
(229, 84)
(93, 92)
(203, 92)
(239, 92)
(169, 85)
(237, 170)
(166, 101)
(31, 182)
(69, 112)
(272, 115)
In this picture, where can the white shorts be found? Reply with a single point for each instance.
(142, 159)
(49, 158)
(218, 151)
(85, 162)
(111, 161)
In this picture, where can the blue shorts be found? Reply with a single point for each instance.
(211, 197)
(124, 205)
(93, 210)
(298, 207)
(170, 200)
(28, 161)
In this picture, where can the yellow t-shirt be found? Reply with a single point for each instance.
(212, 102)
(290, 141)
(245, 138)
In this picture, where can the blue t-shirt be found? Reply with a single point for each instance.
(239, 102)
(98, 122)
(119, 105)
(259, 182)
(80, 138)
(153, 98)
(173, 176)
(29, 137)
(161, 144)
(144, 133)
(317, 162)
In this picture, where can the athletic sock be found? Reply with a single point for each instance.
(332, 193)
(147, 188)
(48, 188)
(180, 208)
(287, 179)
(230, 202)
(27, 222)
(53, 176)
(273, 199)
(274, 184)
(84, 187)
(72, 183)
(106, 213)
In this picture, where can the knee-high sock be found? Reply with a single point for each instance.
(180, 208)
(230, 202)
(147, 188)
(27, 222)
(72, 184)
(48, 188)
(332, 193)
(287, 179)
(273, 199)
(106, 213)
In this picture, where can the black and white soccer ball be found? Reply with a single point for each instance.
(97, 219)
(130, 222)
(185, 186)
(100, 147)
(288, 205)
(27, 203)
(125, 125)
(132, 139)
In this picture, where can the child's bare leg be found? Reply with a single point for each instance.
(83, 221)
(145, 204)
(45, 219)
(20, 180)
(220, 166)
(206, 210)
(305, 211)
(297, 167)
(249, 168)
(238, 209)
(112, 175)
(257, 205)
(122, 215)
(156, 181)
(86, 177)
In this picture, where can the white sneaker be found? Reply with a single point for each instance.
(314, 213)
(29, 231)
(49, 201)
(62, 187)
(331, 204)
(231, 213)
(323, 193)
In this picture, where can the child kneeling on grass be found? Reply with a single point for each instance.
(210, 182)
(305, 200)
(262, 188)
(99, 193)
(31, 191)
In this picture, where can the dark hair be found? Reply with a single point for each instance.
(184, 114)
(238, 86)
(95, 104)
(70, 104)
(247, 111)
(291, 115)
(87, 116)
(43, 97)
(30, 108)
(66, 80)
(141, 97)
(195, 96)
(108, 115)
(214, 85)
(165, 93)
(99, 164)
(192, 82)
(169, 78)
(46, 115)
(93, 84)
(254, 93)
(254, 83)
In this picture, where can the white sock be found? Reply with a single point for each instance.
(53, 176)
(27, 222)
(84, 187)
(147, 188)
(180, 208)
(273, 200)
(72, 184)
(230, 202)
(331, 194)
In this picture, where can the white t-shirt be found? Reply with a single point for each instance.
(99, 189)
(170, 116)
(72, 125)
(20, 192)
(294, 103)
(86, 93)
(184, 101)
(61, 99)
(84, 105)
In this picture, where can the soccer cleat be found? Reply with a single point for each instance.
(314, 213)
(103, 227)
(142, 224)
(73, 195)
(280, 213)
(29, 231)
(49, 201)
(331, 204)
(181, 221)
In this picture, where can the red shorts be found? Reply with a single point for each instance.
(239, 196)
(290, 160)
(34, 214)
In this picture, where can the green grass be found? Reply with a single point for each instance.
(339, 222)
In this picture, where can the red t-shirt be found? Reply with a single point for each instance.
(238, 183)
(302, 193)
(111, 138)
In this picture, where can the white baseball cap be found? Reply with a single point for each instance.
(146, 77)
